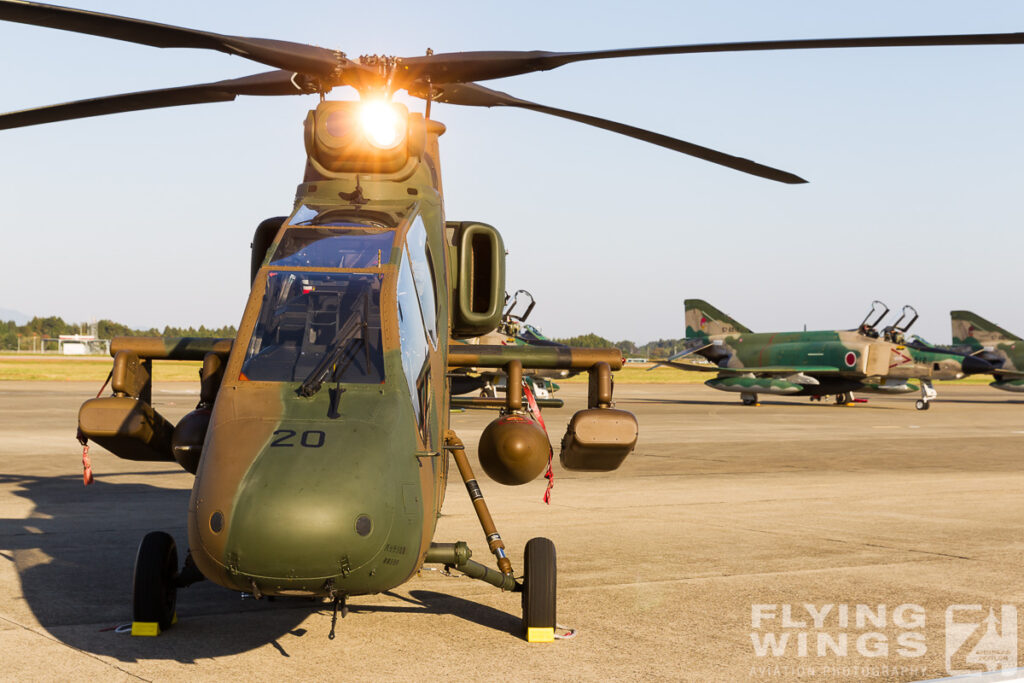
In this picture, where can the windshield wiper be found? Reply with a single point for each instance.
(339, 344)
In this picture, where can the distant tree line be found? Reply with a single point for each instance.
(661, 348)
(53, 326)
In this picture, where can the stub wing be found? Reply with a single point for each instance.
(781, 370)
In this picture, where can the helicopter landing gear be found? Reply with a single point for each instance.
(154, 589)
(845, 398)
(539, 589)
(748, 399)
(538, 585)
(927, 394)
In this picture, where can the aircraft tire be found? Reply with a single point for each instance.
(154, 593)
(539, 586)
(922, 405)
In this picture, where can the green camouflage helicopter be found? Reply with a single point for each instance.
(817, 363)
(332, 493)
(975, 335)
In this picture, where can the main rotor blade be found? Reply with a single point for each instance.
(305, 59)
(270, 83)
(474, 95)
(458, 67)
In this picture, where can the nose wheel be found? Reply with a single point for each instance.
(154, 589)
(927, 394)
(539, 590)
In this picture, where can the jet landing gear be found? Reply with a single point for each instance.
(749, 399)
(927, 394)
(845, 399)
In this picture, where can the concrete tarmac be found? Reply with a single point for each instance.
(845, 537)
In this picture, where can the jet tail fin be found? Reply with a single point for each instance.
(972, 330)
(704, 320)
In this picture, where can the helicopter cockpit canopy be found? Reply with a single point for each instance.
(332, 247)
(307, 316)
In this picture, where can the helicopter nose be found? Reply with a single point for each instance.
(313, 513)
(289, 517)
(972, 365)
(284, 528)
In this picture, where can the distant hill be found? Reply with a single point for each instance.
(18, 317)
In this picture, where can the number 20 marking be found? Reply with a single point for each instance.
(313, 438)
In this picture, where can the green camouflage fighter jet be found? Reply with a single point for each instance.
(819, 363)
(983, 339)
(513, 330)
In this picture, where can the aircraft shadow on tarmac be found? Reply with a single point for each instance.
(622, 402)
(429, 602)
(75, 556)
(1005, 401)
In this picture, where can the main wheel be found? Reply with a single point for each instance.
(154, 592)
(539, 591)
(922, 405)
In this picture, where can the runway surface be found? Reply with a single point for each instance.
(729, 528)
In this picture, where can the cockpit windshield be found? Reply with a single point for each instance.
(310, 317)
(333, 248)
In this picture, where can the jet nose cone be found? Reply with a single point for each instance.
(972, 365)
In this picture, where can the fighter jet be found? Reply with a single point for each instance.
(817, 363)
(512, 331)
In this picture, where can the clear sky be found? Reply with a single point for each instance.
(914, 157)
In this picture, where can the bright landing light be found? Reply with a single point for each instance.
(382, 125)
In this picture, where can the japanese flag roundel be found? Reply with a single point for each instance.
(850, 359)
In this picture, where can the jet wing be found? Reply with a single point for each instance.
(698, 367)
(684, 352)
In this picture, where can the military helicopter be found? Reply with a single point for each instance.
(818, 363)
(333, 493)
